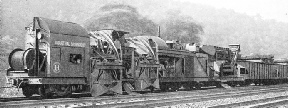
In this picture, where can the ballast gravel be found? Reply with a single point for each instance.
(226, 101)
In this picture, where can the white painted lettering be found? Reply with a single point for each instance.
(74, 44)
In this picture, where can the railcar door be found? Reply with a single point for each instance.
(67, 62)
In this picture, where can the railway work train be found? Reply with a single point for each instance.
(61, 58)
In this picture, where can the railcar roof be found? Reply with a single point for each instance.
(160, 42)
(59, 27)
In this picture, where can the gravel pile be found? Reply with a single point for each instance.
(226, 101)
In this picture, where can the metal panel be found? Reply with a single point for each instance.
(189, 68)
(199, 70)
(285, 71)
(73, 69)
(266, 72)
(280, 71)
(257, 71)
(55, 57)
(179, 67)
(64, 67)
(270, 72)
(262, 71)
(249, 70)
(253, 70)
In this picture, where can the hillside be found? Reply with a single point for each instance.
(219, 26)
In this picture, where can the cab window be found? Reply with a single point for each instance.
(75, 58)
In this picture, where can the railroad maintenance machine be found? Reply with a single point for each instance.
(61, 58)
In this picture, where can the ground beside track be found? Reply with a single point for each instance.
(195, 98)
(265, 99)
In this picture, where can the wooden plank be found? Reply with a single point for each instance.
(249, 70)
(260, 68)
(269, 72)
(285, 71)
(256, 69)
(280, 70)
(252, 71)
(264, 71)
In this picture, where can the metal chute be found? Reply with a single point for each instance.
(106, 62)
(104, 43)
(143, 63)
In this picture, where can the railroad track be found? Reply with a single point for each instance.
(18, 101)
(98, 100)
(152, 99)
(275, 103)
(259, 103)
(159, 102)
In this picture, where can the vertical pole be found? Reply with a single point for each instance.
(174, 75)
(133, 64)
(157, 58)
(159, 35)
(36, 72)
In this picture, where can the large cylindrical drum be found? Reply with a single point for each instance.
(20, 60)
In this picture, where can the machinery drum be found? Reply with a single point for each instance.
(20, 60)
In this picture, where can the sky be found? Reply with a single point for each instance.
(267, 9)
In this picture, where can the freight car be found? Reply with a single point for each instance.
(259, 71)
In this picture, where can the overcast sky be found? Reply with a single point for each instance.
(268, 9)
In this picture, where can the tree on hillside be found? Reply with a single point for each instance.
(5, 43)
(121, 17)
(183, 28)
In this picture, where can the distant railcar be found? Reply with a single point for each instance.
(263, 73)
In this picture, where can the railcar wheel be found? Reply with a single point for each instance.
(247, 83)
(152, 89)
(27, 91)
(242, 83)
(198, 86)
(188, 86)
(164, 87)
(232, 84)
(43, 93)
(218, 85)
(67, 92)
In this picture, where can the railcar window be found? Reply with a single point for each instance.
(75, 58)
(242, 71)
